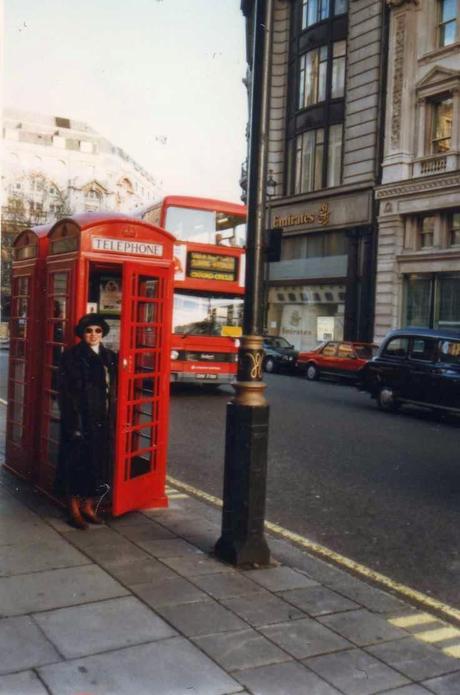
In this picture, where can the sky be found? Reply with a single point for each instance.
(160, 78)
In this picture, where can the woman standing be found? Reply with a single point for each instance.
(87, 393)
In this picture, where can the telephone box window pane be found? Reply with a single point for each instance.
(58, 328)
(54, 406)
(19, 328)
(53, 430)
(17, 411)
(147, 362)
(147, 312)
(145, 388)
(18, 370)
(148, 287)
(56, 355)
(139, 465)
(17, 347)
(59, 283)
(54, 379)
(147, 337)
(16, 433)
(23, 305)
(18, 392)
(60, 308)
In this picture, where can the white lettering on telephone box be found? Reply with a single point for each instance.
(139, 248)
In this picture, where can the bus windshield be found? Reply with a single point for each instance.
(205, 314)
(206, 226)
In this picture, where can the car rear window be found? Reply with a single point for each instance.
(329, 350)
(365, 352)
(449, 351)
(396, 347)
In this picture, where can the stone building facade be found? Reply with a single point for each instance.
(324, 151)
(418, 266)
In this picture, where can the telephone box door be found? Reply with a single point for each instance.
(143, 390)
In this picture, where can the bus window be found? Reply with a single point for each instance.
(188, 224)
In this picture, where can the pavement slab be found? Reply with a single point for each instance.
(408, 690)
(40, 591)
(280, 679)
(226, 585)
(23, 645)
(415, 659)
(318, 600)
(139, 571)
(144, 531)
(445, 685)
(240, 650)
(203, 618)
(34, 557)
(102, 626)
(262, 608)
(168, 667)
(362, 627)
(280, 578)
(305, 637)
(175, 547)
(368, 596)
(166, 591)
(356, 673)
(194, 565)
(24, 683)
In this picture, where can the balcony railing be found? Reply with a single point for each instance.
(436, 164)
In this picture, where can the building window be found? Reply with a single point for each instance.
(432, 300)
(312, 77)
(309, 161)
(340, 6)
(339, 50)
(427, 227)
(441, 125)
(454, 229)
(314, 245)
(447, 22)
(314, 11)
(334, 159)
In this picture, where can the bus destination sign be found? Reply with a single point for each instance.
(141, 248)
(210, 266)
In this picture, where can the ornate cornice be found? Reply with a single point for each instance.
(419, 186)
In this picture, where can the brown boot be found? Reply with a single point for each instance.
(88, 511)
(75, 514)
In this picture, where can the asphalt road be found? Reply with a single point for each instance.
(382, 489)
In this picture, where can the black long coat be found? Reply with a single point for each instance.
(87, 405)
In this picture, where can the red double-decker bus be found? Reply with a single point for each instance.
(208, 287)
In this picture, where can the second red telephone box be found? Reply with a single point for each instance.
(121, 268)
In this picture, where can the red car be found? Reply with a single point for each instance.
(343, 359)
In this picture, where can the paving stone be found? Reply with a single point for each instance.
(112, 554)
(102, 536)
(318, 600)
(280, 578)
(445, 685)
(43, 555)
(262, 608)
(129, 519)
(304, 637)
(408, 690)
(144, 531)
(168, 667)
(356, 673)
(23, 646)
(139, 571)
(24, 683)
(415, 659)
(103, 626)
(175, 547)
(240, 650)
(194, 565)
(362, 627)
(226, 585)
(33, 531)
(315, 568)
(367, 596)
(39, 591)
(167, 591)
(280, 679)
(203, 618)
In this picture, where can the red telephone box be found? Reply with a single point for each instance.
(24, 373)
(122, 268)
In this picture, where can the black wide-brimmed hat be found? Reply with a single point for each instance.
(91, 320)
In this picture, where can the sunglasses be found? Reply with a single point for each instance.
(93, 330)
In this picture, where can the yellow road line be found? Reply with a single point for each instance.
(412, 620)
(452, 651)
(404, 591)
(439, 635)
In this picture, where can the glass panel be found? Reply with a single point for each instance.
(319, 148)
(60, 308)
(16, 411)
(418, 301)
(53, 430)
(18, 392)
(338, 69)
(454, 230)
(201, 314)
(147, 312)
(329, 350)
(312, 12)
(427, 231)
(54, 405)
(140, 465)
(18, 347)
(340, 6)
(449, 351)
(324, 12)
(423, 349)
(449, 301)
(58, 331)
(322, 73)
(145, 388)
(448, 10)
(147, 337)
(16, 433)
(191, 225)
(19, 328)
(308, 161)
(448, 33)
(148, 287)
(302, 82)
(397, 347)
(17, 370)
(311, 77)
(442, 126)
(59, 283)
(147, 362)
(56, 353)
(334, 164)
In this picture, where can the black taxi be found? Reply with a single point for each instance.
(416, 366)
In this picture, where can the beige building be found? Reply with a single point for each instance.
(418, 262)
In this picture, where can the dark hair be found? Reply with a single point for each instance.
(91, 320)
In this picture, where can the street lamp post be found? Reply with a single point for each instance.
(242, 541)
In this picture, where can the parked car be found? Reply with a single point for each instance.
(416, 366)
(342, 359)
(279, 354)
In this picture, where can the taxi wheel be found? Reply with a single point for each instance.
(312, 372)
(270, 365)
(386, 400)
